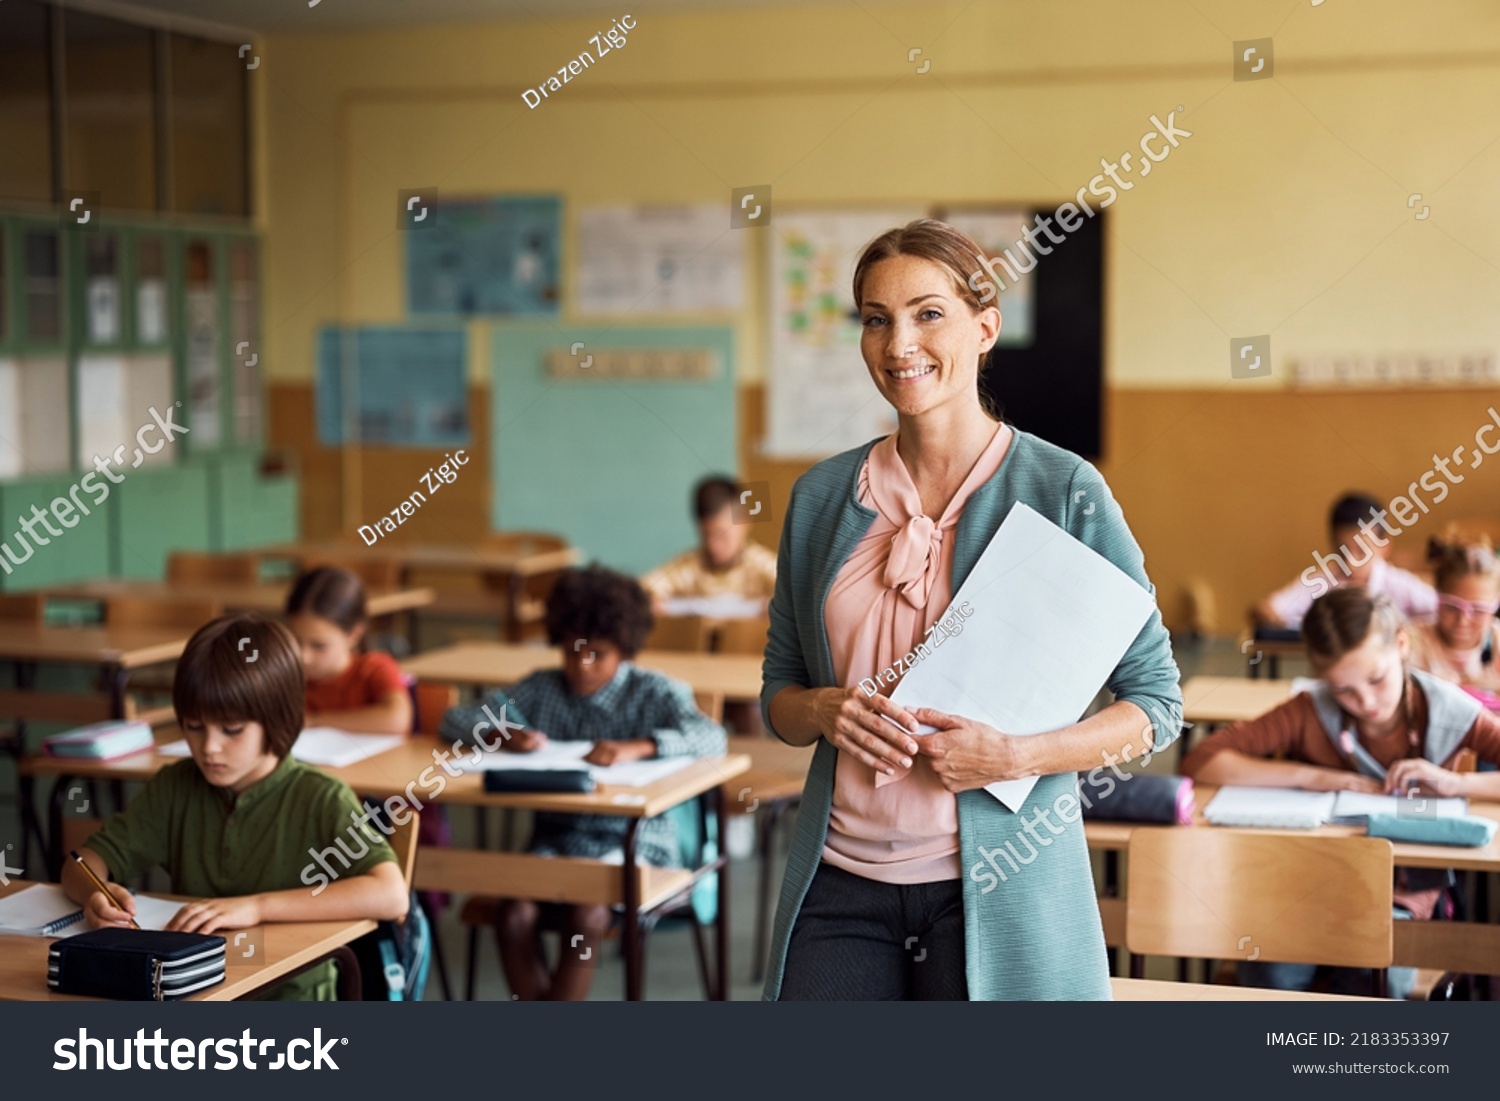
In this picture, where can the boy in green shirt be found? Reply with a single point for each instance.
(233, 826)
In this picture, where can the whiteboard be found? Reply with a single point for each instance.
(819, 397)
(658, 259)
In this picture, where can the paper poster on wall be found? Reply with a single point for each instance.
(996, 231)
(820, 400)
(658, 259)
(393, 386)
(496, 257)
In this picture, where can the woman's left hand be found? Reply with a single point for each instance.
(966, 754)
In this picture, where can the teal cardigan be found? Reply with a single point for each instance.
(1035, 934)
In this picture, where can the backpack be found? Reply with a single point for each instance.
(394, 960)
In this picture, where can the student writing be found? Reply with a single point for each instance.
(599, 619)
(725, 562)
(1458, 644)
(232, 826)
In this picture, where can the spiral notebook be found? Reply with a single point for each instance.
(42, 910)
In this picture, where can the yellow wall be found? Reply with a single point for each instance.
(1284, 213)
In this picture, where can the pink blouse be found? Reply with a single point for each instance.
(896, 584)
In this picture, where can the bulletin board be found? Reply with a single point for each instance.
(494, 257)
(392, 386)
(1047, 374)
(605, 460)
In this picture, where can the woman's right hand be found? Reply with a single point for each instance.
(854, 723)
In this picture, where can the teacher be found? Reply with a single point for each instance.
(904, 888)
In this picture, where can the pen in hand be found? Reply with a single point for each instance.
(99, 883)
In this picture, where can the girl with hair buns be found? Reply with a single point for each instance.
(1458, 644)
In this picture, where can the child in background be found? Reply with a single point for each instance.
(346, 688)
(1412, 723)
(233, 826)
(599, 619)
(1358, 561)
(1458, 644)
(726, 561)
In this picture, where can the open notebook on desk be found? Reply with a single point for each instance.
(42, 910)
(1291, 809)
(569, 757)
(324, 746)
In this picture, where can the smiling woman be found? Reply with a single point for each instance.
(876, 541)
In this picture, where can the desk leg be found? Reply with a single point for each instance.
(632, 931)
(116, 678)
(721, 923)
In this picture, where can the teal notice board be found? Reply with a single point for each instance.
(608, 462)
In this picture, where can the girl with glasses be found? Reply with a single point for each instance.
(1459, 642)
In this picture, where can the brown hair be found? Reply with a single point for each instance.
(1452, 561)
(950, 249)
(1341, 621)
(243, 668)
(712, 495)
(329, 593)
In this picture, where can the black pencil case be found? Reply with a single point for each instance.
(503, 780)
(135, 965)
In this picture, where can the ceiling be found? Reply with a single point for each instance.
(297, 17)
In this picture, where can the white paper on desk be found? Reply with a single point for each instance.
(323, 746)
(1049, 619)
(724, 606)
(568, 755)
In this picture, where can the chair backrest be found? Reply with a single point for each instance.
(679, 632)
(23, 608)
(375, 573)
(403, 840)
(197, 568)
(742, 636)
(1234, 895)
(530, 542)
(711, 704)
(140, 611)
(430, 701)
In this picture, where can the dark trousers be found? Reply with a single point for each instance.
(860, 940)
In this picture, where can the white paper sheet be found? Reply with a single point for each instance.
(727, 606)
(569, 756)
(26, 912)
(1360, 804)
(1270, 808)
(1048, 621)
(319, 745)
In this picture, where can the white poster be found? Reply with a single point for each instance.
(658, 259)
(998, 233)
(819, 397)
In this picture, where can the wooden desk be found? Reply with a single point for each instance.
(1213, 700)
(266, 598)
(522, 559)
(286, 948)
(1153, 990)
(1464, 946)
(495, 664)
(641, 888)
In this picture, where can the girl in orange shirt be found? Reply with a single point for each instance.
(346, 687)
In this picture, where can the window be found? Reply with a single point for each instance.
(42, 291)
(25, 102)
(244, 309)
(209, 140)
(111, 111)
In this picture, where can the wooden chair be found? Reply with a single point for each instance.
(430, 701)
(711, 704)
(375, 573)
(23, 608)
(141, 611)
(525, 595)
(1235, 895)
(403, 841)
(198, 568)
(687, 633)
(742, 636)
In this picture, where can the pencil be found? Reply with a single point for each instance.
(1360, 756)
(99, 883)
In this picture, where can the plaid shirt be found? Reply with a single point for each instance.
(637, 703)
